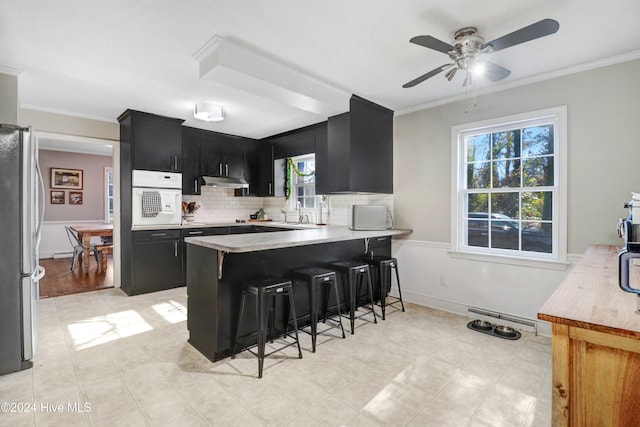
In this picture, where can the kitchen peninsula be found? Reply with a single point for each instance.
(217, 266)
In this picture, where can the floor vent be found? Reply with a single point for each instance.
(496, 318)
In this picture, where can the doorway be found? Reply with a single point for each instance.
(90, 202)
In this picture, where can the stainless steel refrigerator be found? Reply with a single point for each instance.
(21, 213)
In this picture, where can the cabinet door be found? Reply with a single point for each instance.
(157, 143)
(191, 173)
(265, 169)
(157, 265)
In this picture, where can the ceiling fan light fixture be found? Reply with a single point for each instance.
(478, 69)
(450, 73)
(208, 112)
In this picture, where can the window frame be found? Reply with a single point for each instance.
(558, 117)
(293, 198)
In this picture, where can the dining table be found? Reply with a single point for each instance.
(86, 232)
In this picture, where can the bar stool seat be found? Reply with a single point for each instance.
(265, 290)
(384, 265)
(319, 280)
(355, 274)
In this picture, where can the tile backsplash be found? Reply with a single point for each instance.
(220, 205)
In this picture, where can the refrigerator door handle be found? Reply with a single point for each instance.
(40, 205)
(38, 273)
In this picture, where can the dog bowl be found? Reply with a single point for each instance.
(506, 331)
(481, 324)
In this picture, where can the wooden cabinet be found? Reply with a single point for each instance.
(358, 153)
(595, 345)
(157, 257)
(191, 169)
(265, 169)
(156, 141)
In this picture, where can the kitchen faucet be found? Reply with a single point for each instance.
(299, 212)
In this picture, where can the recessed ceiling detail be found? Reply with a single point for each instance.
(228, 63)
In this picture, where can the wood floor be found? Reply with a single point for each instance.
(60, 280)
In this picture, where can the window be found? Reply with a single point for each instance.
(509, 196)
(108, 191)
(303, 181)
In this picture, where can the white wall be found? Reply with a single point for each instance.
(8, 99)
(603, 153)
(54, 241)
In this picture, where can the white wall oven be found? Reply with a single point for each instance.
(157, 198)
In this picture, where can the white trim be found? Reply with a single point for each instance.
(68, 113)
(605, 62)
(512, 260)
(559, 256)
(4, 69)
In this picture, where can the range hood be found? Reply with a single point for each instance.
(225, 181)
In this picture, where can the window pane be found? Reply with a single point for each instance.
(504, 234)
(538, 171)
(478, 203)
(300, 191)
(537, 205)
(505, 205)
(310, 202)
(479, 175)
(537, 141)
(477, 233)
(478, 148)
(537, 237)
(506, 145)
(506, 173)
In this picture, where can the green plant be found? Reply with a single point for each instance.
(291, 167)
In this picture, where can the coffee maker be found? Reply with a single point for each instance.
(629, 230)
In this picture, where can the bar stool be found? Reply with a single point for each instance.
(384, 265)
(319, 279)
(355, 273)
(265, 290)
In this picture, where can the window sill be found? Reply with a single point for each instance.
(502, 259)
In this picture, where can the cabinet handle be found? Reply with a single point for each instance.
(269, 188)
(195, 186)
(220, 168)
(175, 163)
(226, 169)
(158, 234)
(175, 249)
(191, 233)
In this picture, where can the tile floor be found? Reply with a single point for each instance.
(108, 359)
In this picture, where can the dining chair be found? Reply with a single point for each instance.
(78, 248)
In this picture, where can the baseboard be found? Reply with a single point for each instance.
(541, 327)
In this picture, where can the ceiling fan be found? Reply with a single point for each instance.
(469, 49)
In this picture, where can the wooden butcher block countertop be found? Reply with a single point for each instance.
(590, 298)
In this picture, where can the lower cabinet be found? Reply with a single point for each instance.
(157, 261)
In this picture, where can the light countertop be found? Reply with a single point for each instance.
(251, 242)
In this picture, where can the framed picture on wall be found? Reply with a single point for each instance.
(75, 197)
(57, 197)
(70, 179)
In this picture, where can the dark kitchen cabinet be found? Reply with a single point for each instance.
(265, 169)
(290, 144)
(207, 153)
(157, 260)
(357, 155)
(191, 169)
(156, 141)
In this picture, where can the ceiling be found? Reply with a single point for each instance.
(97, 58)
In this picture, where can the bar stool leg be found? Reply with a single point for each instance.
(235, 340)
(335, 286)
(261, 328)
(369, 283)
(313, 300)
(352, 300)
(398, 280)
(295, 322)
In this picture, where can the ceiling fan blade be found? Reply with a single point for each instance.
(426, 76)
(528, 33)
(495, 72)
(433, 43)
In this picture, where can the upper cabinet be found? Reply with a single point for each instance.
(208, 153)
(155, 141)
(290, 144)
(357, 155)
